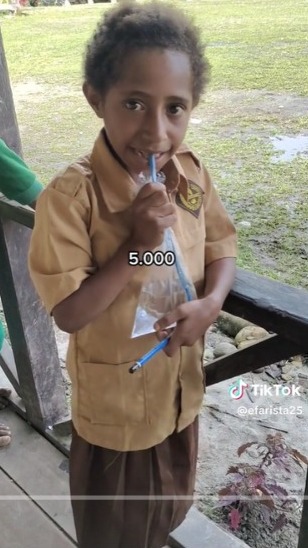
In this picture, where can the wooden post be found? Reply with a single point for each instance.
(31, 333)
(8, 123)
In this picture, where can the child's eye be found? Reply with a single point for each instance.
(132, 104)
(175, 109)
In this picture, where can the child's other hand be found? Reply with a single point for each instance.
(192, 321)
(151, 213)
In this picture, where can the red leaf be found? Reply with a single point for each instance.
(265, 512)
(277, 490)
(227, 501)
(298, 456)
(280, 522)
(268, 501)
(256, 479)
(225, 491)
(237, 478)
(232, 470)
(243, 448)
(235, 518)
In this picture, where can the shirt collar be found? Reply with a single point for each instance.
(118, 188)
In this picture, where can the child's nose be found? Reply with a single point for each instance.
(155, 127)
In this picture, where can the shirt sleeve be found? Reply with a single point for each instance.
(1, 335)
(60, 248)
(17, 181)
(221, 241)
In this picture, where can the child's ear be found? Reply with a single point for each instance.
(94, 99)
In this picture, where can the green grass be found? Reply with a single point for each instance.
(259, 88)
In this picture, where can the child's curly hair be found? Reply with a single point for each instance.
(134, 27)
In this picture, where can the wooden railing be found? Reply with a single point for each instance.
(34, 368)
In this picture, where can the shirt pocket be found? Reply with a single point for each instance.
(112, 395)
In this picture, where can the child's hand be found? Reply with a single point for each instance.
(192, 320)
(152, 213)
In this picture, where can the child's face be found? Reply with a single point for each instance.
(148, 110)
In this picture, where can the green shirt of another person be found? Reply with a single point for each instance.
(17, 181)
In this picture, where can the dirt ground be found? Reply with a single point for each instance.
(255, 102)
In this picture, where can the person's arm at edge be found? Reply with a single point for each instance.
(18, 181)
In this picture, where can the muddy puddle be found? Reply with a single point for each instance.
(289, 147)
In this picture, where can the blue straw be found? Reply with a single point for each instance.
(152, 168)
(149, 355)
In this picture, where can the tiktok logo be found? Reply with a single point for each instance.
(236, 390)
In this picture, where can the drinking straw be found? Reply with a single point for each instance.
(152, 168)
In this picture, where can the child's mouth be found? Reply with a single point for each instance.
(146, 154)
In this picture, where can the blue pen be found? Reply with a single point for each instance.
(149, 355)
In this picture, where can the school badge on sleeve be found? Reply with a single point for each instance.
(194, 199)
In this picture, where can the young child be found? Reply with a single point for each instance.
(134, 445)
(18, 183)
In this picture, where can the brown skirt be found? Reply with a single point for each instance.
(132, 499)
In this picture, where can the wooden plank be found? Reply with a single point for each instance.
(14, 211)
(278, 307)
(23, 524)
(59, 435)
(8, 365)
(40, 471)
(14, 402)
(31, 331)
(264, 352)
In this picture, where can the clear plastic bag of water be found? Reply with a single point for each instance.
(167, 284)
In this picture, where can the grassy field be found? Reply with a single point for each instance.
(259, 89)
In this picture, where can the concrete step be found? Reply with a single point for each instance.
(198, 531)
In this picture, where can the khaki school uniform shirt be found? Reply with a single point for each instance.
(82, 218)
